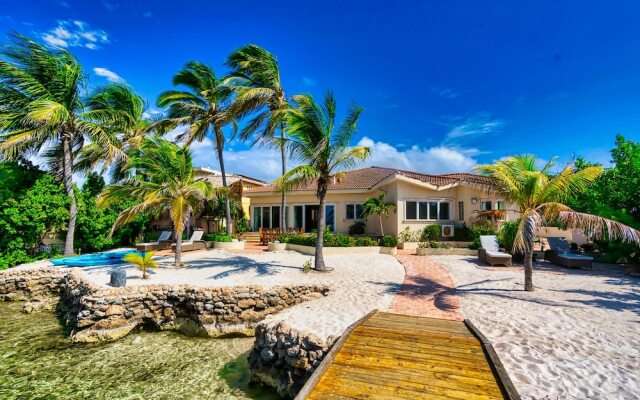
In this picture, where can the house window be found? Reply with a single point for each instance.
(329, 217)
(485, 205)
(355, 211)
(431, 210)
(501, 205)
(461, 211)
(298, 212)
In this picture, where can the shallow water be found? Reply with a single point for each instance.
(38, 362)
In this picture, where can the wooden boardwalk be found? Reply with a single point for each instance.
(393, 356)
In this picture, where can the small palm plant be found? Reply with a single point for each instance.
(143, 262)
(323, 152)
(539, 197)
(378, 206)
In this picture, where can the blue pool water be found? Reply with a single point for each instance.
(94, 259)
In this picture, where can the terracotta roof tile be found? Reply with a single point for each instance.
(367, 178)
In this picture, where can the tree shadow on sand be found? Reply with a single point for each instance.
(240, 264)
(628, 300)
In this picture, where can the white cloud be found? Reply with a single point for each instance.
(109, 6)
(475, 125)
(109, 75)
(75, 34)
(446, 93)
(431, 160)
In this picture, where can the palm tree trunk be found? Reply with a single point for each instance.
(178, 260)
(528, 270)
(381, 228)
(283, 203)
(220, 148)
(319, 262)
(67, 163)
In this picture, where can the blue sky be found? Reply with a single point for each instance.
(445, 85)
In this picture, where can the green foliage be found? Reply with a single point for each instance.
(479, 229)
(365, 241)
(242, 225)
(618, 252)
(16, 177)
(430, 233)
(433, 244)
(338, 240)
(507, 234)
(216, 237)
(25, 220)
(144, 261)
(389, 241)
(462, 234)
(357, 228)
(307, 266)
(408, 235)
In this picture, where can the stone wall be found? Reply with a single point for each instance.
(284, 358)
(94, 313)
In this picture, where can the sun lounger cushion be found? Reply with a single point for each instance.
(498, 254)
(489, 243)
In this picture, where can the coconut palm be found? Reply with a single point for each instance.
(539, 197)
(203, 109)
(378, 206)
(323, 152)
(166, 183)
(255, 77)
(127, 120)
(41, 109)
(144, 262)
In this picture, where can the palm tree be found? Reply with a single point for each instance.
(255, 76)
(41, 109)
(166, 183)
(322, 151)
(125, 114)
(378, 206)
(144, 262)
(539, 198)
(203, 109)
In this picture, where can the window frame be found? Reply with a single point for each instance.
(428, 202)
(355, 212)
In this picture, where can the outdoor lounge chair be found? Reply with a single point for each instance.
(163, 242)
(561, 254)
(491, 253)
(194, 243)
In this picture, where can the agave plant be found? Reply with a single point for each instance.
(539, 196)
(41, 109)
(144, 262)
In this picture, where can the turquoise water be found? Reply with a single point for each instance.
(37, 361)
(94, 259)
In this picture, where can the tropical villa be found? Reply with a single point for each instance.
(449, 200)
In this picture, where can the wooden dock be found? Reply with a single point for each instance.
(393, 356)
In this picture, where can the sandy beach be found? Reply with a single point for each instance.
(360, 282)
(575, 337)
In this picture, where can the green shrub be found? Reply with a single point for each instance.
(479, 229)
(365, 241)
(242, 225)
(298, 239)
(389, 241)
(430, 233)
(408, 235)
(216, 237)
(307, 266)
(507, 234)
(357, 228)
(338, 240)
(462, 234)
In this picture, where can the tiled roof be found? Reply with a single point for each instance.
(367, 178)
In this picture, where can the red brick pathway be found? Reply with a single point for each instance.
(427, 291)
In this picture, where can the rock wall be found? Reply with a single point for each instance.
(94, 313)
(284, 358)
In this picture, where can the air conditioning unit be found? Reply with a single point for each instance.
(447, 230)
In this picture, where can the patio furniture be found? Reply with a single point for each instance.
(194, 243)
(272, 234)
(163, 242)
(491, 253)
(561, 254)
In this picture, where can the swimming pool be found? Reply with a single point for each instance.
(94, 259)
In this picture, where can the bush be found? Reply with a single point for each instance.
(507, 234)
(479, 229)
(430, 233)
(389, 241)
(462, 234)
(216, 237)
(339, 240)
(365, 241)
(407, 235)
(242, 225)
(357, 228)
(298, 239)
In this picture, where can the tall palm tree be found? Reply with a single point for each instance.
(166, 183)
(41, 109)
(539, 197)
(323, 152)
(378, 206)
(125, 114)
(203, 109)
(255, 76)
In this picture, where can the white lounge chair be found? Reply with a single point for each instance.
(163, 242)
(195, 242)
(561, 254)
(491, 253)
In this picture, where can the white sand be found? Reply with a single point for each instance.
(576, 337)
(360, 282)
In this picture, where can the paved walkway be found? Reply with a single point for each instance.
(427, 291)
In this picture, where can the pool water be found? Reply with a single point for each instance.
(94, 259)
(37, 361)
